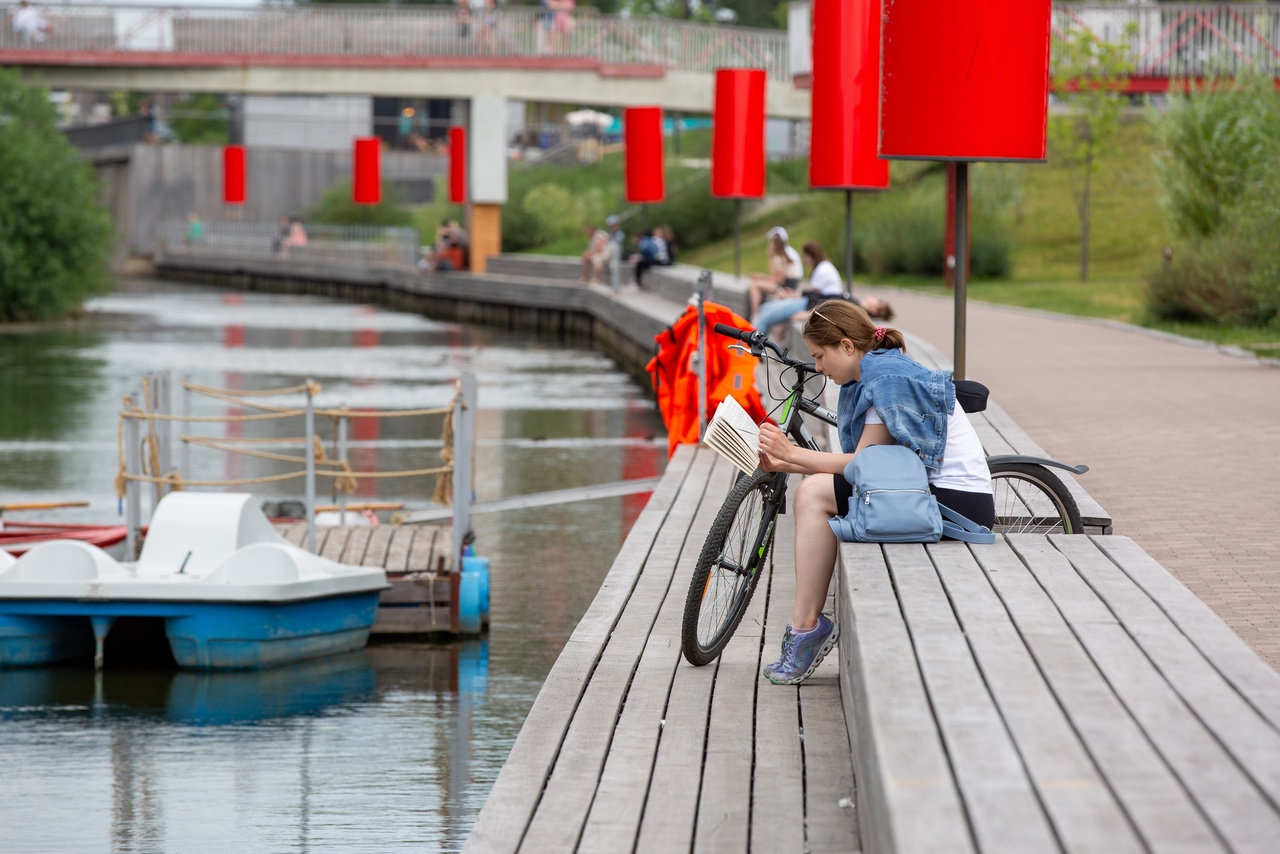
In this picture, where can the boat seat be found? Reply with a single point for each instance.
(261, 563)
(6, 560)
(195, 533)
(63, 560)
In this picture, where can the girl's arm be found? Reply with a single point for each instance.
(779, 453)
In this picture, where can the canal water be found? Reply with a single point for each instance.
(393, 748)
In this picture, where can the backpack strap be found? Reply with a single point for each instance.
(960, 527)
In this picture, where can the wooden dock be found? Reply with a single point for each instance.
(628, 747)
(423, 580)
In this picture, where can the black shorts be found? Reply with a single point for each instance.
(978, 507)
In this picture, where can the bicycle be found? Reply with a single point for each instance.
(1029, 499)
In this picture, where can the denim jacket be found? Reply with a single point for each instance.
(912, 400)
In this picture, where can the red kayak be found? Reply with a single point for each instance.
(17, 537)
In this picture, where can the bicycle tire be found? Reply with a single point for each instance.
(1030, 499)
(728, 567)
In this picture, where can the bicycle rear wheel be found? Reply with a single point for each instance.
(729, 566)
(1030, 499)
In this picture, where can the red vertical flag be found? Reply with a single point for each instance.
(366, 185)
(846, 96)
(737, 134)
(964, 81)
(233, 175)
(646, 178)
(457, 165)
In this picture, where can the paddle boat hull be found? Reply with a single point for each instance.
(17, 538)
(231, 593)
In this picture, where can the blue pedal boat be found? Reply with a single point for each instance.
(231, 592)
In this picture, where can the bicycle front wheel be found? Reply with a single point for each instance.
(729, 566)
(1030, 499)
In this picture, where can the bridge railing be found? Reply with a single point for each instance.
(395, 35)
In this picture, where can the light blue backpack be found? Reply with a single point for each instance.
(891, 502)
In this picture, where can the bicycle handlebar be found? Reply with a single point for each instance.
(759, 343)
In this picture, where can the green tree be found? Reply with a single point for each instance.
(1089, 78)
(55, 238)
(201, 117)
(337, 207)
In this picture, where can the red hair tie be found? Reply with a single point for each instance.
(879, 333)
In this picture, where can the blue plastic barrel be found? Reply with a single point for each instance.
(473, 594)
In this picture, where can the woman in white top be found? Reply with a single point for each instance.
(785, 271)
(824, 283)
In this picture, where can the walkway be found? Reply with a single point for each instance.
(1198, 490)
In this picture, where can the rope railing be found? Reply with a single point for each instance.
(144, 451)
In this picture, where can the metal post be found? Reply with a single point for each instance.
(848, 238)
(464, 420)
(186, 412)
(700, 295)
(309, 421)
(132, 498)
(962, 263)
(342, 457)
(737, 238)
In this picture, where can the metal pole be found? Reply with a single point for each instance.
(700, 296)
(342, 457)
(309, 422)
(132, 500)
(737, 238)
(186, 411)
(848, 238)
(463, 452)
(962, 263)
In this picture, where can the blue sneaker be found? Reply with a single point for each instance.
(802, 652)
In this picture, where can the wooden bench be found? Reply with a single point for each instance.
(1043, 694)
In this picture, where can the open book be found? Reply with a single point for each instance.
(733, 435)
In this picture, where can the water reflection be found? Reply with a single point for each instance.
(392, 749)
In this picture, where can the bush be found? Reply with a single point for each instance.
(1221, 172)
(55, 237)
(337, 207)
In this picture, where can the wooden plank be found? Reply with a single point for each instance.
(411, 621)
(292, 532)
(1075, 795)
(398, 551)
(1187, 710)
(357, 540)
(620, 802)
(417, 589)
(777, 795)
(828, 769)
(1003, 811)
(335, 540)
(426, 548)
(1247, 672)
(907, 799)
(1072, 634)
(505, 816)
(375, 553)
(566, 799)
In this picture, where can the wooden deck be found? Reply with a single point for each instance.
(629, 748)
(418, 565)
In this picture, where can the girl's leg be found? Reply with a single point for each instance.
(815, 503)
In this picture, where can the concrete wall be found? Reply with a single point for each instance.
(145, 185)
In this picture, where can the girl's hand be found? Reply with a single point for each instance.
(775, 447)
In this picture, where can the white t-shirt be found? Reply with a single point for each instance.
(795, 269)
(825, 279)
(964, 463)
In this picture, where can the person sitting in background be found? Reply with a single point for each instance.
(297, 234)
(653, 253)
(784, 274)
(824, 283)
(669, 236)
(195, 228)
(599, 248)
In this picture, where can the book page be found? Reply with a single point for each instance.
(733, 435)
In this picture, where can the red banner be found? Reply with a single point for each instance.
(846, 96)
(964, 81)
(737, 134)
(366, 184)
(234, 175)
(457, 165)
(646, 176)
